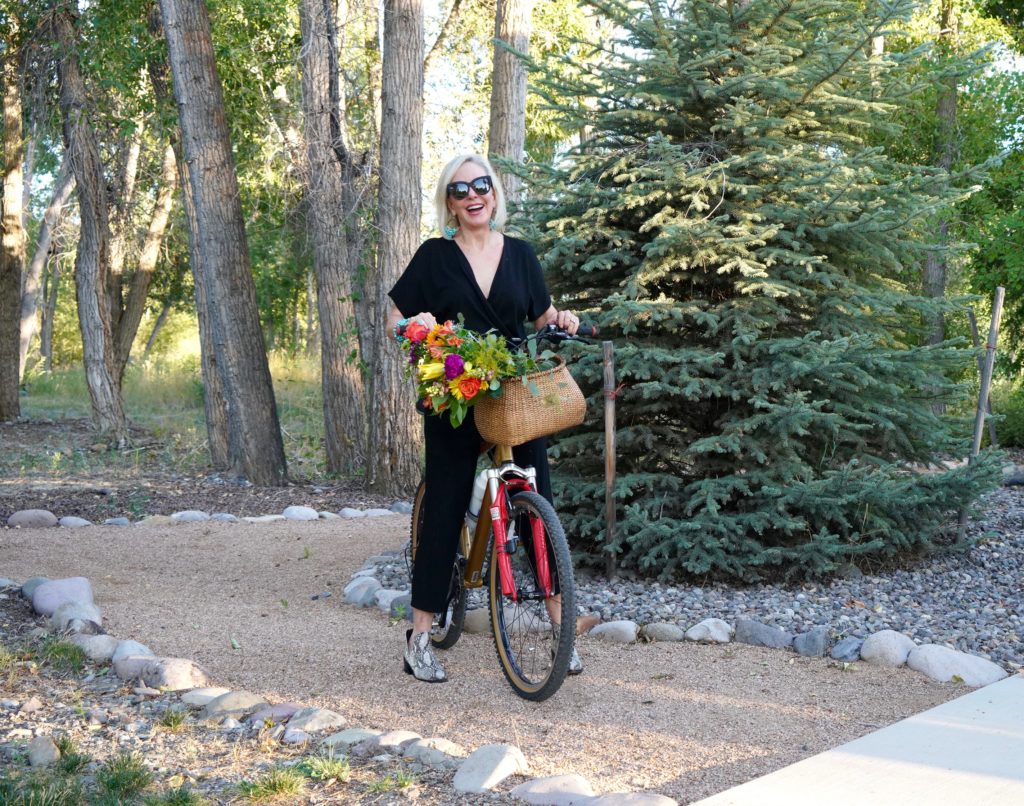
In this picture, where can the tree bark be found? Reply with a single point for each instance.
(215, 406)
(51, 287)
(33, 277)
(946, 148)
(92, 260)
(507, 137)
(138, 290)
(393, 467)
(12, 248)
(329, 167)
(255, 445)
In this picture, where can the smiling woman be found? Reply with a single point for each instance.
(489, 282)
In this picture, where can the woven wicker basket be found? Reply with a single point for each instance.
(521, 413)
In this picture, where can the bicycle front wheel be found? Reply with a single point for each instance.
(532, 648)
(448, 625)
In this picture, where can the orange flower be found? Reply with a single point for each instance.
(469, 387)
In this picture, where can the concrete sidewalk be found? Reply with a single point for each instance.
(966, 752)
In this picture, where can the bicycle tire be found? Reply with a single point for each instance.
(447, 636)
(532, 659)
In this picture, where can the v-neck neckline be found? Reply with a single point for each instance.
(472, 274)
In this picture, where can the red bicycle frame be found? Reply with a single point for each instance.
(499, 523)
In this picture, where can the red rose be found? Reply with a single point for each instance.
(469, 387)
(416, 332)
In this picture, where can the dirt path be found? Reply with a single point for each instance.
(680, 719)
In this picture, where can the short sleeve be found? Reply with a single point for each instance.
(539, 298)
(410, 292)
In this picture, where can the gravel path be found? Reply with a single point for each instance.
(681, 719)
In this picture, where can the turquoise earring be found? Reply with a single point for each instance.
(493, 225)
(450, 232)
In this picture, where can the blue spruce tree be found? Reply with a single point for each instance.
(726, 222)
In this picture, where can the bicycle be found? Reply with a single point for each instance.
(529, 576)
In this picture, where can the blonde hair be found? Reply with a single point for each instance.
(444, 216)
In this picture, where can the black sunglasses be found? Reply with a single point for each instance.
(481, 186)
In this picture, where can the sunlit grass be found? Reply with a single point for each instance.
(164, 397)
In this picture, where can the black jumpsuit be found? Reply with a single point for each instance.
(440, 280)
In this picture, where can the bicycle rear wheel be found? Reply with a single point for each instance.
(534, 655)
(448, 625)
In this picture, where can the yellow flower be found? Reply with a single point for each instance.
(431, 370)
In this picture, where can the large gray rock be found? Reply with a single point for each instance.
(73, 522)
(47, 597)
(200, 697)
(83, 617)
(347, 738)
(401, 607)
(274, 714)
(128, 647)
(130, 667)
(237, 704)
(190, 516)
(384, 597)
(362, 591)
(29, 588)
(32, 519)
(711, 631)
(847, 650)
(174, 674)
(661, 631)
(943, 664)
(488, 766)
(557, 790)
(755, 633)
(434, 752)
(478, 622)
(349, 512)
(314, 720)
(42, 752)
(98, 648)
(395, 740)
(297, 513)
(887, 648)
(622, 631)
(813, 643)
(632, 799)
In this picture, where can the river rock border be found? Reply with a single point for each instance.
(73, 614)
(368, 587)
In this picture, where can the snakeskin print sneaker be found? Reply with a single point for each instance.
(575, 664)
(420, 661)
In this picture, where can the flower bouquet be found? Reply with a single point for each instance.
(456, 368)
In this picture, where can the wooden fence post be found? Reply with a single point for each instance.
(609, 457)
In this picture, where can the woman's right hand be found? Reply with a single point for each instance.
(425, 318)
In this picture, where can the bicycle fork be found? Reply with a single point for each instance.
(499, 522)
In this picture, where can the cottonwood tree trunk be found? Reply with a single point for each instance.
(946, 148)
(393, 467)
(507, 137)
(138, 288)
(255, 446)
(34, 275)
(215, 406)
(92, 261)
(12, 248)
(330, 169)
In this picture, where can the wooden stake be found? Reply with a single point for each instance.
(981, 369)
(609, 456)
(986, 384)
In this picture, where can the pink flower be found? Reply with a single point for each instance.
(453, 366)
